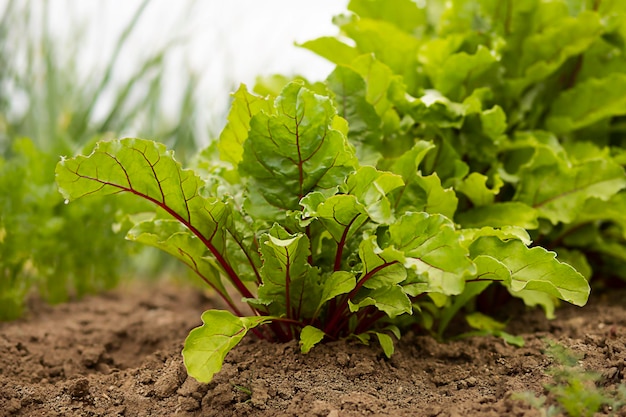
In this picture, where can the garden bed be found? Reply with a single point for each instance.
(118, 354)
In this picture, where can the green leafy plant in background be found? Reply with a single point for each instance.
(576, 392)
(47, 109)
(523, 101)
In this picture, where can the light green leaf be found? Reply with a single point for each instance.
(404, 14)
(577, 260)
(588, 102)
(207, 345)
(421, 193)
(486, 326)
(534, 269)
(432, 108)
(337, 283)
(533, 298)
(378, 78)
(389, 44)
(612, 209)
(493, 122)
(407, 164)
(512, 340)
(309, 337)
(381, 267)
(342, 214)
(146, 169)
(295, 151)
(433, 251)
(558, 190)
(504, 233)
(510, 213)
(392, 300)
(461, 72)
(425, 193)
(386, 342)
(332, 49)
(476, 189)
(544, 52)
(434, 52)
(289, 281)
(489, 268)
(244, 107)
(480, 321)
(371, 187)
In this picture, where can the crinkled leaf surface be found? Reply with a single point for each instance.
(505, 233)
(392, 300)
(534, 269)
(461, 71)
(544, 52)
(493, 122)
(290, 283)
(295, 151)
(381, 267)
(342, 214)
(371, 186)
(425, 193)
(588, 102)
(146, 169)
(432, 108)
(207, 345)
(379, 78)
(433, 251)
(421, 193)
(383, 271)
(244, 106)
(509, 213)
(376, 37)
(558, 190)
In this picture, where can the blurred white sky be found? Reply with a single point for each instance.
(226, 42)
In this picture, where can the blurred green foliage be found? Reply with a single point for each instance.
(48, 109)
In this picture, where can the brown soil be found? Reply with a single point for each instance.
(118, 354)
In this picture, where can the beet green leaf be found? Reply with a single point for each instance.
(207, 345)
(295, 151)
(531, 269)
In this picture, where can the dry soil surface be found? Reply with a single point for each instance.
(118, 354)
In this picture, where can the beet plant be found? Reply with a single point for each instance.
(455, 146)
(316, 244)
